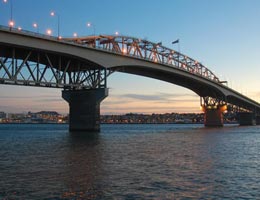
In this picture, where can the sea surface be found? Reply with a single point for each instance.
(129, 162)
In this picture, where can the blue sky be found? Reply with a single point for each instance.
(224, 35)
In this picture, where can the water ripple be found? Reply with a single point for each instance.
(130, 162)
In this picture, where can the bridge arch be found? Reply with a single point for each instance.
(171, 76)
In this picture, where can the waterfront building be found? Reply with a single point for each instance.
(2, 115)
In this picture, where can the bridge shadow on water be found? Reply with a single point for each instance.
(84, 136)
(83, 166)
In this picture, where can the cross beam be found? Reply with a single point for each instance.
(34, 68)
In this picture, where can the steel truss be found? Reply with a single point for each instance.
(210, 103)
(144, 49)
(33, 68)
(237, 109)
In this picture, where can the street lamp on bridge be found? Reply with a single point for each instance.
(11, 22)
(89, 24)
(49, 31)
(36, 26)
(58, 16)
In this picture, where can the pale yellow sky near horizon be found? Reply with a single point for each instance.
(146, 96)
(143, 95)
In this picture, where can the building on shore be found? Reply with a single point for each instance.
(2, 116)
(30, 117)
(129, 118)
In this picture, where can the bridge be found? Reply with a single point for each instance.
(80, 66)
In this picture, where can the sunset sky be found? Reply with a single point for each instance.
(224, 35)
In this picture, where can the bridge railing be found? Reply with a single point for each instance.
(26, 32)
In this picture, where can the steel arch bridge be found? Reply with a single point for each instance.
(31, 59)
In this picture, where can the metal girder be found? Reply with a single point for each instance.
(237, 109)
(33, 68)
(143, 49)
(222, 103)
(210, 102)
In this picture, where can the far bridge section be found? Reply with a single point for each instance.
(81, 66)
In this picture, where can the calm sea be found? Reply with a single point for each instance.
(130, 162)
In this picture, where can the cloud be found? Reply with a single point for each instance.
(149, 109)
(17, 97)
(27, 96)
(50, 100)
(32, 103)
(144, 97)
(151, 103)
(160, 102)
(160, 97)
(115, 101)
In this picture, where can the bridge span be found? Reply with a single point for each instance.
(81, 66)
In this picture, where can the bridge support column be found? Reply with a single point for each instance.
(257, 120)
(84, 108)
(213, 117)
(247, 119)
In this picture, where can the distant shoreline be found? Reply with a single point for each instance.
(115, 123)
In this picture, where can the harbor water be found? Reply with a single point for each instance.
(172, 161)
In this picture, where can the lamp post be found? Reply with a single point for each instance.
(36, 26)
(11, 22)
(49, 32)
(89, 24)
(58, 16)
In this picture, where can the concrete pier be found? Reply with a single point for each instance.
(247, 118)
(84, 108)
(213, 117)
(257, 120)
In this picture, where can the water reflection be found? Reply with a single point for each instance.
(83, 166)
(82, 136)
(166, 165)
